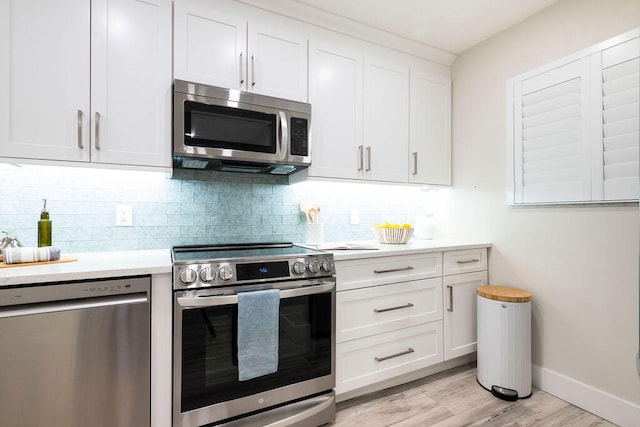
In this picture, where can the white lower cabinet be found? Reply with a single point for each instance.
(364, 312)
(392, 318)
(460, 313)
(379, 357)
(460, 299)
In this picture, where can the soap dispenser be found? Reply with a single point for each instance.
(44, 227)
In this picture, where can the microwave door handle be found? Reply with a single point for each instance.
(216, 300)
(283, 144)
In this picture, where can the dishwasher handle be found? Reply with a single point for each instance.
(78, 304)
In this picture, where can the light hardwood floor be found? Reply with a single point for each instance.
(454, 398)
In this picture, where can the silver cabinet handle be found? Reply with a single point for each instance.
(407, 268)
(97, 125)
(80, 117)
(468, 261)
(253, 70)
(360, 157)
(450, 308)
(382, 310)
(415, 162)
(241, 70)
(391, 356)
(368, 159)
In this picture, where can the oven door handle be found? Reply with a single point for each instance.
(215, 300)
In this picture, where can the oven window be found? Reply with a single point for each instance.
(229, 128)
(209, 350)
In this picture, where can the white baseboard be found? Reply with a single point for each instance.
(604, 405)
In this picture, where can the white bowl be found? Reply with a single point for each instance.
(393, 235)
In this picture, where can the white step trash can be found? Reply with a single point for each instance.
(504, 341)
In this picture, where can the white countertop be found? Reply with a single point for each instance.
(413, 246)
(90, 265)
(96, 265)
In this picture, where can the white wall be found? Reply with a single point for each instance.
(580, 263)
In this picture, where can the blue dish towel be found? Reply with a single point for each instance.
(258, 325)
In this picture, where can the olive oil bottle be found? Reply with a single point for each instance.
(44, 227)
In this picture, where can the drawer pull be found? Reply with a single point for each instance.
(393, 270)
(382, 310)
(468, 261)
(402, 353)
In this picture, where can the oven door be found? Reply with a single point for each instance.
(206, 386)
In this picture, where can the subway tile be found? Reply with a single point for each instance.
(188, 206)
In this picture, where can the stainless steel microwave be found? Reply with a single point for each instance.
(229, 130)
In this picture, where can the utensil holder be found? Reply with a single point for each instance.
(314, 234)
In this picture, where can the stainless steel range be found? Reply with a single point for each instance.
(284, 377)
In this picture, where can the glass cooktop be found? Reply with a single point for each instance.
(237, 251)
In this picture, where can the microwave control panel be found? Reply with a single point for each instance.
(299, 137)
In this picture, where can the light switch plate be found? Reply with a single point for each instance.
(355, 217)
(124, 215)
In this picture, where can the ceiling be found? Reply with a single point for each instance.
(451, 25)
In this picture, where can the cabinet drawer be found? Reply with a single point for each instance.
(360, 273)
(378, 309)
(465, 261)
(380, 357)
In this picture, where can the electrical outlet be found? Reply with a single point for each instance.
(355, 217)
(124, 215)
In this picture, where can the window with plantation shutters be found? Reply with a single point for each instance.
(621, 120)
(574, 127)
(552, 142)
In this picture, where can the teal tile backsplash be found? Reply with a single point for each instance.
(188, 207)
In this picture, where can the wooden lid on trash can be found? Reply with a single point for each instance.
(504, 293)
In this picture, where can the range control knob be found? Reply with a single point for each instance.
(298, 267)
(325, 265)
(225, 273)
(207, 274)
(188, 276)
(313, 267)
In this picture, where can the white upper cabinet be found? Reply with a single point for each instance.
(335, 93)
(44, 79)
(131, 84)
(234, 46)
(378, 115)
(574, 133)
(429, 128)
(386, 119)
(210, 46)
(277, 60)
(86, 81)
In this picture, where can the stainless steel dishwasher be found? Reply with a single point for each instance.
(76, 354)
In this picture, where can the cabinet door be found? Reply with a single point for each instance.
(277, 58)
(210, 44)
(430, 129)
(131, 82)
(44, 79)
(335, 92)
(460, 313)
(386, 120)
